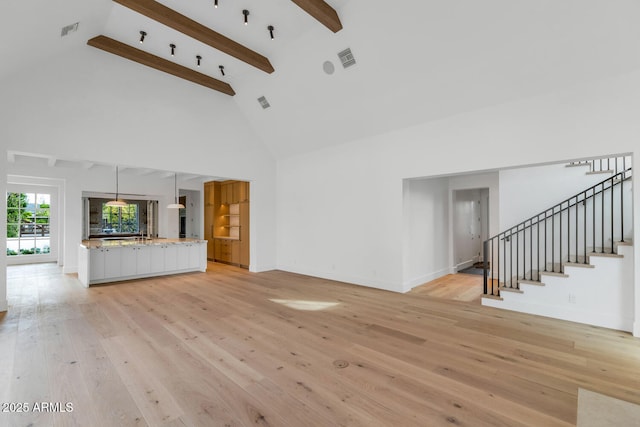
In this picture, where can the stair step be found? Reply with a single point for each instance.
(518, 291)
(599, 172)
(606, 254)
(579, 264)
(530, 282)
(551, 273)
(496, 297)
(573, 165)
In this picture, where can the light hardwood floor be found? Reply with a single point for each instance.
(232, 348)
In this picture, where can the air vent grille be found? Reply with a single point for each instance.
(69, 29)
(346, 57)
(263, 101)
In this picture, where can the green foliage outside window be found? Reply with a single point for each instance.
(120, 220)
(17, 213)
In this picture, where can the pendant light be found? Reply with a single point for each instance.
(116, 202)
(175, 204)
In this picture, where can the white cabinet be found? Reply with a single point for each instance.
(157, 258)
(163, 258)
(96, 264)
(129, 264)
(104, 263)
(183, 257)
(143, 260)
(170, 257)
(189, 256)
(135, 260)
(112, 263)
(197, 255)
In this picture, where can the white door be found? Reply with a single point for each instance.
(31, 224)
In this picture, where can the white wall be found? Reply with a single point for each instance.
(361, 180)
(425, 229)
(526, 192)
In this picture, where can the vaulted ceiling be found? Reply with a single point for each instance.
(416, 61)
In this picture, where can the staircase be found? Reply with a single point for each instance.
(573, 261)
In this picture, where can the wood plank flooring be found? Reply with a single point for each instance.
(232, 348)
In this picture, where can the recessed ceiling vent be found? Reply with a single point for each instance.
(263, 101)
(346, 57)
(69, 29)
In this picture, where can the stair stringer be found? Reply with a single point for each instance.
(600, 296)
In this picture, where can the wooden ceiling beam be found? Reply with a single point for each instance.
(118, 48)
(169, 17)
(324, 13)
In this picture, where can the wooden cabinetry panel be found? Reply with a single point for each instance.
(209, 213)
(244, 235)
(231, 223)
(242, 189)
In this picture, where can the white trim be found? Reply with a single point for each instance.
(425, 278)
(4, 306)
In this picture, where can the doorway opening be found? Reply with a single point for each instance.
(470, 229)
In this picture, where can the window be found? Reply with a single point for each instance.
(120, 220)
(28, 223)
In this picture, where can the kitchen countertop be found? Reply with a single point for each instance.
(97, 243)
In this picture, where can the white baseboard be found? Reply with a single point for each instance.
(465, 264)
(421, 280)
(339, 277)
(260, 268)
(4, 305)
(636, 329)
(69, 269)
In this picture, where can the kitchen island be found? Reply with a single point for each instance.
(103, 261)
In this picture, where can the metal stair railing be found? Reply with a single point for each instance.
(545, 242)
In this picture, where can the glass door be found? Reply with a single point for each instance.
(29, 236)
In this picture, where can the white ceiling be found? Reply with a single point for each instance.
(417, 60)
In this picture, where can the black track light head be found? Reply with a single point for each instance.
(215, 4)
(143, 34)
(198, 59)
(221, 69)
(173, 49)
(270, 28)
(245, 12)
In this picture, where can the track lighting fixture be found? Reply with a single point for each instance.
(270, 28)
(215, 4)
(221, 69)
(173, 49)
(198, 59)
(143, 34)
(175, 204)
(245, 12)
